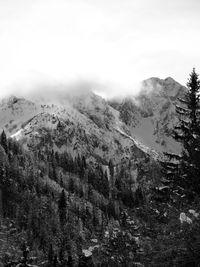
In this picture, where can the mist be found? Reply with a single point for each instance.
(108, 47)
(52, 90)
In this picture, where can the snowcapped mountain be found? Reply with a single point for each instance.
(150, 116)
(14, 112)
(87, 124)
(84, 125)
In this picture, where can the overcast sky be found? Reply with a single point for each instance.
(113, 43)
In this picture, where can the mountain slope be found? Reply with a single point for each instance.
(84, 125)
(15, 111)
(98, 129)
(85, 152)
(150, 116)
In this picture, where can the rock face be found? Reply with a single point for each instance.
(150, 116)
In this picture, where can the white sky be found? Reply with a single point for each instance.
(113, 43)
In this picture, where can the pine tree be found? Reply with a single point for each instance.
(55, 261)
(3, 141)
(59, 126)
(111, 168)
(190, 129)
(54, 174)
(62, 208)
(182, 172)
(71, 185)
(50, 255)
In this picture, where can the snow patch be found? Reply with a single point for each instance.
(87, 253)
(194, 213)
(138, 144)
(184, 218)
(17, 135)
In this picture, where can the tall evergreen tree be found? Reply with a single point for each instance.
(111, 168)
(3, 141)
(62, 208)
(50, 255)
(182, 172)
(188, 132)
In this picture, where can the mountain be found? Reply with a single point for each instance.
(78, 179)
(87, 124)
(150, 115)
(14, 111)
(83, 124)
(77, 146)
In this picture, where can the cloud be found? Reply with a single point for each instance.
(111, 44)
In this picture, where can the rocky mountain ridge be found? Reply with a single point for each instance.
(87, 124)
(89, 127)
(85, 151)
(150, 115)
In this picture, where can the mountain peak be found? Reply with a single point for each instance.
(12, 99)
(152, 80)
(155, 80)
(170, 79)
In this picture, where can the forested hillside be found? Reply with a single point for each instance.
(68, 197)
(60, 203)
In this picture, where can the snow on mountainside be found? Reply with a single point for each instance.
(83, 125)
(150, 116)
(87, 124)
(14, 112)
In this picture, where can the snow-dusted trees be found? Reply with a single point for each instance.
(183, 172)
